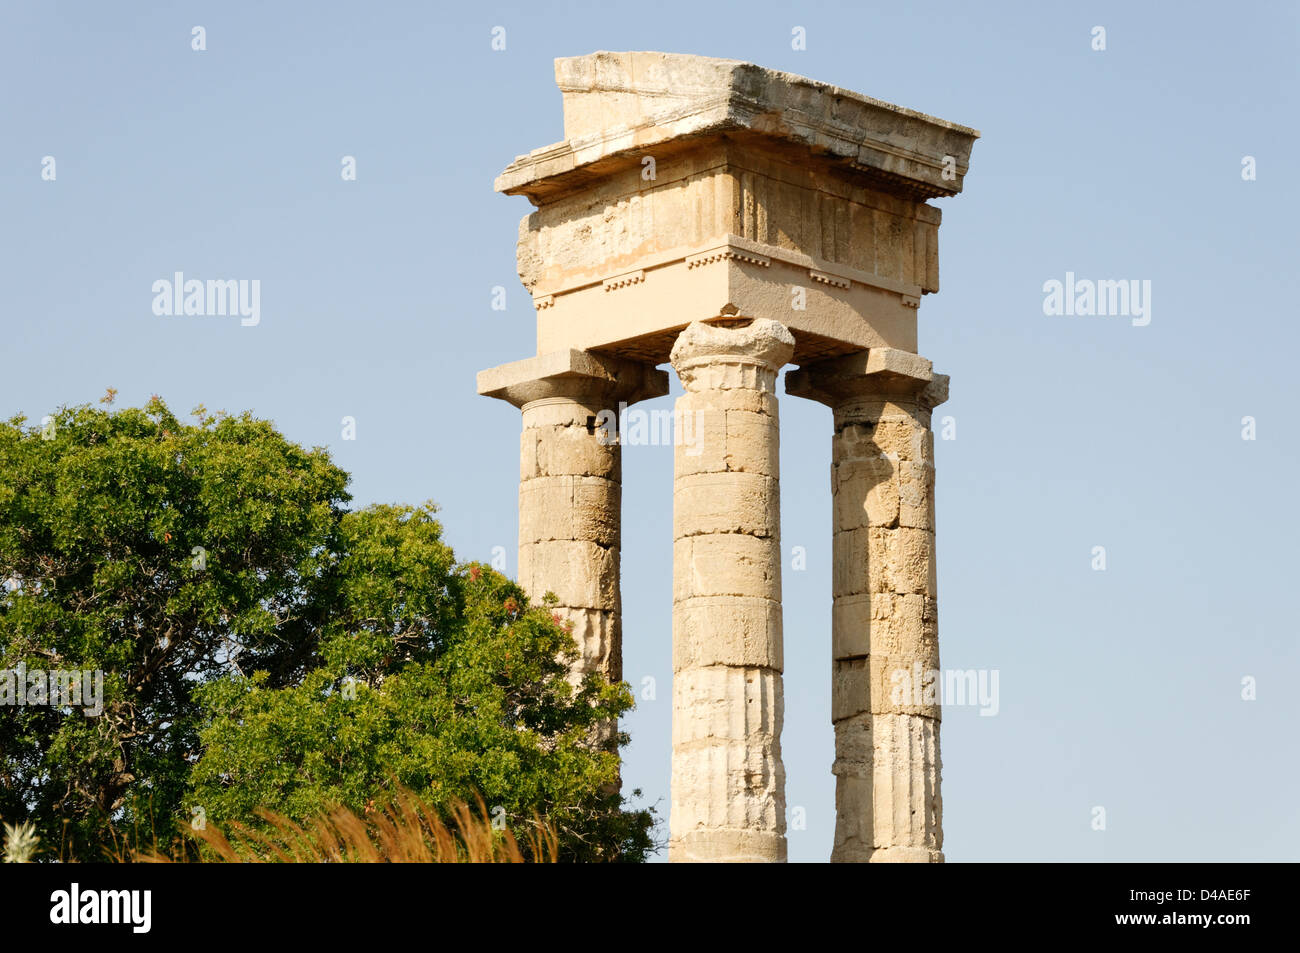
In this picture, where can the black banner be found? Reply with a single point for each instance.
(142, 903)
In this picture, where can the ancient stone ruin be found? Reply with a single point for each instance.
(730, 220)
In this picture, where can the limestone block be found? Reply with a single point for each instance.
(853, 810)
(852, 626)
(596, 631)
(905, 783)
(852, 844)
(879, 623)
(849, 567)
(881, 559)
(727, 703)
(728, 783)
(561, 386)
(528, 454)
(906, 855)
(897, 623)
(854, 441)
(728, 847)
(900, 437)
(703, 447)
(860, 562)
(563, 451)
(850, 688)
(581, 573)
(710, 381)
(854, 749)
(916, 495)
(563, 413)
(910, 553)
(569, 507)
(731, 564)
(752, 442)
(728, 438)
(905, 684)
(742, 400)
(886, 685)
(853, 770)
(715, 358)
(726, 749)
(865, 493)
(738, 502)
(730, 630)
(619, 102)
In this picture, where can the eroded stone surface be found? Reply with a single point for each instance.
(620, 102)
(884, 618)
(686, 184)
(732, 219)
(570, 475)
(728, 782)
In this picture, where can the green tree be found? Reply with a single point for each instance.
(434, 677)
(212, 573)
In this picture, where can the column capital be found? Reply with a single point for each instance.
(574, 375)
(881, 372)
(758, 350)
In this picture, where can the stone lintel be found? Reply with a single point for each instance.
(878, 372)
(622, 106)
(638, 315)
(729, 249)
(573, 374)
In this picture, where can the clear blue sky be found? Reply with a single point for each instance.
(1119, 689)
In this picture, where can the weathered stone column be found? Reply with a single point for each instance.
(884, 701)
(684, 189)
(728, 783)
(570, 480)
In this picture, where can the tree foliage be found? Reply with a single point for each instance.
(264, 647)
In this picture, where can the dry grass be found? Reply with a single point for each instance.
(21, 844)
(406, 830)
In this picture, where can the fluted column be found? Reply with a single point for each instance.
(570, 484)
(728, 783)
(886, 685)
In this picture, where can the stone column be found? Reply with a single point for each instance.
(570, 484)
(886, 686)
(728, 783)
